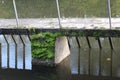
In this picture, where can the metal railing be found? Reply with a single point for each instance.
(59, 13)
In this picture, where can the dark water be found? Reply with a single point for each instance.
(83, 64)
(42, 73)
(88, 65)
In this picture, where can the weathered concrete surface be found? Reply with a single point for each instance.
(87, 23)
(61, 49)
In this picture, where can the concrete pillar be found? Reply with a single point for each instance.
(61, 49)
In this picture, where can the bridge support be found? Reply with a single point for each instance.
(61, 49)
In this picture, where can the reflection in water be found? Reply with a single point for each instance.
(82, 64)
(105, 57)
(63, 71)
(74, 52)
(106, 62)
(74, 61)
(116, 63)
(84, 61)
(96, 57)
(94, 62)
(99, 62)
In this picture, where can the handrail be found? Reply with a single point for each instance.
(59, 13)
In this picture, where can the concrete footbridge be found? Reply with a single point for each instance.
(16, 44)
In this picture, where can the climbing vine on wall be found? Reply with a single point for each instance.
(43, 45)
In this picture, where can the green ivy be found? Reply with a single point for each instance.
(43, 45)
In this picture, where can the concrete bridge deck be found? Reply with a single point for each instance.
(76, 23)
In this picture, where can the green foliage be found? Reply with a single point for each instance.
(97, 34)
(43, 45)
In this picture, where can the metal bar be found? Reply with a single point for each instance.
(16, 14)
(58, 11)
(109, 13)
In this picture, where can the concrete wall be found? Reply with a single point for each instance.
(61, 49)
